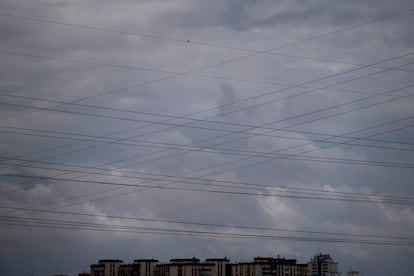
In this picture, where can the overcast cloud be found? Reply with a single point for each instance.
(252, 65)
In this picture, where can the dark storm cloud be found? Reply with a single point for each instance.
(249, 15)
(254, 25)
(246, 15)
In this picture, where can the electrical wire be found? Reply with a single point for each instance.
(76, 225)
(270, 190)
(295, 117)
(191, 180)
(148, 69)
(332, 160)
(187, 148)
(306, 91)
(172, 233)
(283, 46)
(189, 42)
(204, 67)
(206, 175)
(341, 73)
(236, 161)
(192, 223)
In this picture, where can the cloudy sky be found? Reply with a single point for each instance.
(168, 129)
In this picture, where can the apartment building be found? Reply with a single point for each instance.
(320, 265)
(129, 270)
(302, 269)
(185, 267)
(323, 265)
(107, 267)
(146, 266)
(219, 267)
(268, 266)
(115, 267)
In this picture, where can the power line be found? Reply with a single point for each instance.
(306, 151)
(187, 41)
(239, 160)
(204, 67)
(154, 231)
(242, 138)
(285, 98)
(191, 223)
(308, 82)
(336, 31)
(253, 97)
(191, 180)
(181, 179)
(48, 224)
(186, 118)
(130, 67)
(70, 224)
(313, 158)
(261, 154)
(215, 122)
(268, 93)
(189, 148)
(214, 173)
(244, 159)
(302, 195)
(95, 193)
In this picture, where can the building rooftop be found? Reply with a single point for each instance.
(185, 260)
(322, 257)
(129, 265)
(146, 260)
(278, 260)
(110, 261)
(185, 263)
(217, 259)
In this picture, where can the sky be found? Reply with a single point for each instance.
(173, 129)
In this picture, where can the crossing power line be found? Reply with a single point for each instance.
(295, 117)
(223, 231)
(231, 189)
(245, 159)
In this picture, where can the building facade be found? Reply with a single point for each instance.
(302, 269)
(112, 267)
(320, 265)
(129, 270)
(146, 266)
(323, 265)
(185, 267)
(268, 266)
(219, 267)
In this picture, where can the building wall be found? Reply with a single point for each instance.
(219, 266)
(97, 270)
(275, 267)
(129, 270)
(163, 270)
(302, 270)
(146, 266)
(211, 267)
(322, 265)
(188, 267)
(106, 268)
